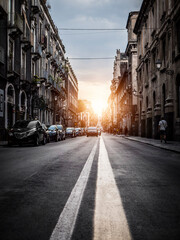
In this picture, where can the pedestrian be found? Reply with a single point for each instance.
(162, 129)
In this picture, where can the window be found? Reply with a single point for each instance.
(40, 32)
(178, 95)
(178, 36)
(147, 102)
(164, 50)
(11, 56)
(154, 99)
(33, 69)
(153, 60)
(11, 11)
(23, 66)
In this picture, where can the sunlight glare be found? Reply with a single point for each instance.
(98, 106)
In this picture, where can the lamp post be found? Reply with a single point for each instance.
(159, 64)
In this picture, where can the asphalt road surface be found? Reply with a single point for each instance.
(105, 188)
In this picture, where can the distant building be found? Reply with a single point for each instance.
(131, 83)
(72, 97)
(120, 67)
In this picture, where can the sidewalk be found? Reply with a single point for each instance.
(170, 145)
(3, 143)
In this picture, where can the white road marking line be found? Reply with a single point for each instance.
(110, 222)
(65, 225)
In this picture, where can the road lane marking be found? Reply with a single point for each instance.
(110, 222)
(66, 222)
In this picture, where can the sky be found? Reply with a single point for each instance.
(94, 76)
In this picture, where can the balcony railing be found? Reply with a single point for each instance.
(43, 42)
(17, 27)
(37, 52)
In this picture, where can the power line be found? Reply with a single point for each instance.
(93, 58)
(92, 29)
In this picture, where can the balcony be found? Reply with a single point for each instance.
(16, 29)
(35, 7)
(27, 41)
(43, 42)
(50, 80)
(36, 53)
(49, 51)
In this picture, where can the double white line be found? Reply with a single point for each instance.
(109, 220)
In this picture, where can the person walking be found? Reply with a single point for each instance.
(162, 129)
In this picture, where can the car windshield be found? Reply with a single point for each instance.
(52, 127)
(25, 124)
(69, 129)
(92, 128)
(60, 127)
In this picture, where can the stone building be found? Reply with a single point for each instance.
(158, 35)
(120, 67)
(131, 83)
(72, 97)
(33, 67)
(3, 60)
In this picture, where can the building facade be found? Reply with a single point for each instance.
(72, 97)
(158, 69)
(33, 67)
(115, 100)
(131, 84)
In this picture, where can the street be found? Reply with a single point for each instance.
(89, 188)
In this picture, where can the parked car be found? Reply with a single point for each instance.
(62, 132)
(46, 133)
(70, 132)
(92, 131)
(99, 131)
(25, 131)
(53, 133)
(78, 132)
(83, 131)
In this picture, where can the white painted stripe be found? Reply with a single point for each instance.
(65, 225)
(110, 222)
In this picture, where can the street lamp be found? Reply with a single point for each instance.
(158, 64)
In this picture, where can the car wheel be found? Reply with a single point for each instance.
(36, 142)
(44, 140)
(56, 140)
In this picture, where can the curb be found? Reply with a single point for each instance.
(3, 143)
(135, 140)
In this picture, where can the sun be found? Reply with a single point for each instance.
(98, 106)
